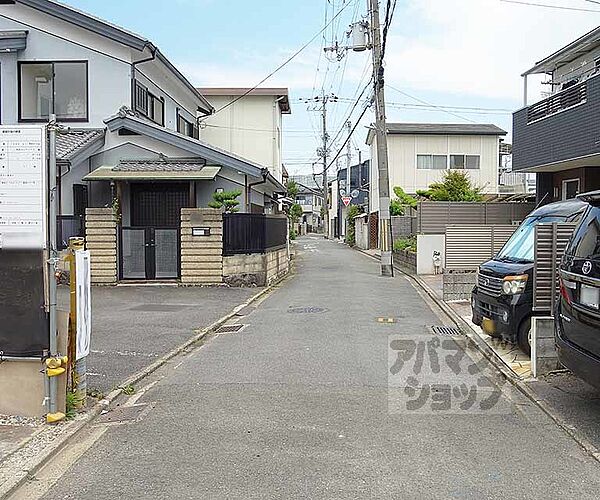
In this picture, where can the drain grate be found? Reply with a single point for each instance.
(307, 310)
(446, 331)
(229, 328)
(125, 414)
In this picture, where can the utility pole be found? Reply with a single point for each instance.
(323, 151)
(348, 168)
(324, 179)
(385, 233)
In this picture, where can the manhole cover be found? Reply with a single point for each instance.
(447, 331)
(158, 308)
(125, 414)
(307, 310)
(229, 328)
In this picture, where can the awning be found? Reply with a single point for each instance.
(155, 170)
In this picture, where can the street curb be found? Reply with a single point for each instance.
(73, 428)
(476, 341)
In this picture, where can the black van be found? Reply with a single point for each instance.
(577, 318)
(502, 300)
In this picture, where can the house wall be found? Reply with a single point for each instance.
(51, 39)
(402, 157)
(109, 67)
(250, 128)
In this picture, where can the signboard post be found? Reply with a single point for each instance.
(23, 239)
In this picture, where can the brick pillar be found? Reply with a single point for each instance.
(201, 256)
(101, 241)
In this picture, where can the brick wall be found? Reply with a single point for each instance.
(101, 241)
(201, 256)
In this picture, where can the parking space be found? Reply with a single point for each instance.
(135, 325)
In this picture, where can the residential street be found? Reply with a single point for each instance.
(301, 404)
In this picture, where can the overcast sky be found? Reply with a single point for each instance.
(462, 53)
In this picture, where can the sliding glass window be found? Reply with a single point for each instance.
(53, 87)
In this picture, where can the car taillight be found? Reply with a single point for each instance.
(564, 292)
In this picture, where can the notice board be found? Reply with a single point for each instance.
(23, 240)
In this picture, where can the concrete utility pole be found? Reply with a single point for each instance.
(385, 233)
(324, 179)
(348, 168)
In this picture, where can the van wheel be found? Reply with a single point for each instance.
(524, 336)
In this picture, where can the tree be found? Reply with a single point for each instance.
(398, 205)
(226, 200)
(455, 186)
(353, 211)
(294, 214)
(291, 188)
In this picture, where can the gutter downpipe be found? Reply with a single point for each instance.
(265, 176)
(153, 50)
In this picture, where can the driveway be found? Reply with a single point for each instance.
(134, 325)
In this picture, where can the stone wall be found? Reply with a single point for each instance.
(101, 241)
(277, 264)
(201, 256)
(255, 269)
(403, 226)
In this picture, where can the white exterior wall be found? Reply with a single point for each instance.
(251, 128)
(402, 157)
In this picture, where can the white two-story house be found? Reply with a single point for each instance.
(420, 153)
(249, 124)
(130, 119)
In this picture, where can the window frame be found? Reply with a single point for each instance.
(52, 63)
(431, 155)
(151, 98)
(194, 128)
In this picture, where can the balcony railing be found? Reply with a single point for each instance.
(556, 103)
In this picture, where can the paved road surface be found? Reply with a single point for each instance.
(315, 405)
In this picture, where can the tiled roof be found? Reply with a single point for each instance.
(69, 144)
(160, 165)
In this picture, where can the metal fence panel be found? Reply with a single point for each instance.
(253, 233)
(469, 246)
(434, 216)
(549, 246)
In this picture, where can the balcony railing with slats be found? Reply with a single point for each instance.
(556, 103)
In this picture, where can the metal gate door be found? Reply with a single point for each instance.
(148, 253)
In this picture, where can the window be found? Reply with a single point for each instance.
(147, 104)
(472, 162)
(53, 87)
(186, 127)
(570, 188)
(457, 161)
(435, 162)
(156, 109)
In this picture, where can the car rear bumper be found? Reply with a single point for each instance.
(580, 362)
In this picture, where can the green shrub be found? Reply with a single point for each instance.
(353, 211)
(293, 234)
(409, 244)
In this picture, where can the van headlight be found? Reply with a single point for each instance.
(514, 284)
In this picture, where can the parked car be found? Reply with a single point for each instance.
(577, 319)
(502, 300)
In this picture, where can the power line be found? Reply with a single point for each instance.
(548, 6)
(430, 104)
(287, 61)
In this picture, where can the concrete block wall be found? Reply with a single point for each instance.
(201, 256)
(277, 264)
(101, 241)
(544, 358)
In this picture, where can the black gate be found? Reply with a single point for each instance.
(149, 253)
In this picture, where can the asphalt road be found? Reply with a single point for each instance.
(316, 398)
(132, 326)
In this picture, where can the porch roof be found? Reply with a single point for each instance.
(78, 144)
(126, 120)
(163, 169)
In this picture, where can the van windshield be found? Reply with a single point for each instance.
(519, 247)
